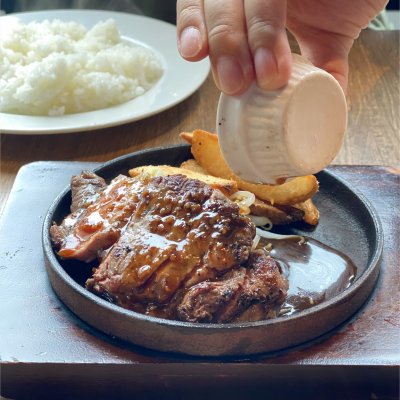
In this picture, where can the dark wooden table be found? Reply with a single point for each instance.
(54, 355)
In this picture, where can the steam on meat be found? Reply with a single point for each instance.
(172, 247)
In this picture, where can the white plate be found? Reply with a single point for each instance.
(179, 81)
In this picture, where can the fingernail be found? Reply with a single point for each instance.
(190, 42)
(266, 68)
(230, 75)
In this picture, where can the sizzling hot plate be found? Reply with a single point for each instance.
(347, 223)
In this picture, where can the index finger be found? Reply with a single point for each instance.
(228, 47)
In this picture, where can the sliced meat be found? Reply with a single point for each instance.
(204, 301)
(97, 221)
(256, 291)
(85, 190)
(277, 214)
(181, 233)
(171, 247)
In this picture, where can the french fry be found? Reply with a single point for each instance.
(193, 165)
(206, 151)
(277, 214)
(311, 213)
(226, 186)
(187, 136)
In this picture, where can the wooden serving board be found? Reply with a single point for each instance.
(45, 348)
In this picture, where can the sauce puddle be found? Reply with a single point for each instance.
(315, 271)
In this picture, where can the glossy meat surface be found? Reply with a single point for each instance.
(171, 247)
(181, 233)
(95, 224)
(250, 292)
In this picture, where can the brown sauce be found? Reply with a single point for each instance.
(315, 271)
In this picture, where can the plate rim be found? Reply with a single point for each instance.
(201, 71)
(373, 267)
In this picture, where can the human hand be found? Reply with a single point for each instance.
(246, 39)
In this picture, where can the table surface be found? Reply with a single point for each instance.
(372, 136)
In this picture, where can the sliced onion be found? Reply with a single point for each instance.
(270, 235)
(244, 200)
(265, 222)
(256, 240)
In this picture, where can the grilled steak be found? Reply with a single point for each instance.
(95, 223)
(256, 288)
(172, 247)
(181, 233)
(85, 189)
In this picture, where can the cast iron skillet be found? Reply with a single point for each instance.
(348, 223)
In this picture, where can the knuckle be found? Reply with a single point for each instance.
(189, 14)
(262, 33)
(224, 33)
(263, 27)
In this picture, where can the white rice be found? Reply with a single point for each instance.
(56, 68)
